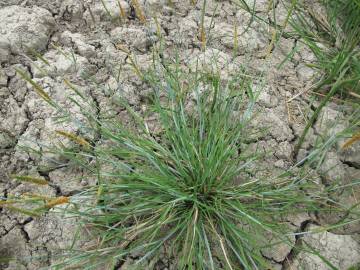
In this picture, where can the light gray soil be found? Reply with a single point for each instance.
(85, 28)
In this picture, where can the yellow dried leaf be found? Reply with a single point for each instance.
(351, 141)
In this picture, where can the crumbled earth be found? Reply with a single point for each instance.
(98, 38)
(340, 251)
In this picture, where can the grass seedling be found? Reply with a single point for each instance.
(23, 211)
(33, 52)
(170, 3)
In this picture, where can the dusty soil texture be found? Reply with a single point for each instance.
(85, 29)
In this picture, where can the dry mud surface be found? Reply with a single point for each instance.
(84, 28)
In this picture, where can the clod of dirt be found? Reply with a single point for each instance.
(278, 252)
(329, 121)
(106, 10)
(70, 180)
(3, 78)
(267, 98)
(13, 117)
(247, 42)
(78, 41)
(23, 28)
(12, 245)
(135, 38)
(278, 128)
(341, 250)
(351, 155)
(61, 64)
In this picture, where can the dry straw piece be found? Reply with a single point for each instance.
(36, 196)
(38, 89)
(57, 201)
(351, 141)
(73, 137)
(202, 27)
(30, 179)
(138, 10)
(122, 11)
(8, 202)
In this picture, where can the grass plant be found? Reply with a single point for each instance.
(334, 38)
(188, 189)
(330, 29)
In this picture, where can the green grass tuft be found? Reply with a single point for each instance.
(334, 38)
(330, 29)
(187, 185)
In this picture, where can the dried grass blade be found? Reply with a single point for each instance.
(57, 201)
(351, 141)
(74, 138)
(30, 179)
(139, 11)
(38, 89)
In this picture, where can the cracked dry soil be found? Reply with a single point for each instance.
(85, 28)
